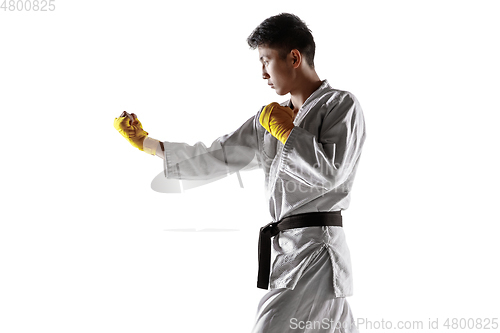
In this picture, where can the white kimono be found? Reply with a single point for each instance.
(312, 172)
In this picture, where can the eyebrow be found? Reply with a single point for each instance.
(264, 56)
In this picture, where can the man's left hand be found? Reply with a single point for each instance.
(131, 130)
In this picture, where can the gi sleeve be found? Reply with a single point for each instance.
(227, 154)
(326, 161)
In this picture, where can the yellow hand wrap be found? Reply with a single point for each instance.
(132, 131)
(277, 120)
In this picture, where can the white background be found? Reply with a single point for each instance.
(83, 239)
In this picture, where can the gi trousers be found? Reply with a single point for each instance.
(311, 307)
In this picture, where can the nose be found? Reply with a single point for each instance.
(265, 76)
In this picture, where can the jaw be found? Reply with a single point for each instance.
(281, 92)
(282, 88)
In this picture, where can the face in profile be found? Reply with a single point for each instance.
(277, 71)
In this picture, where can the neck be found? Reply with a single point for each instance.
(307, 84)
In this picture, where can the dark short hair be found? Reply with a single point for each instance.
(284, 32)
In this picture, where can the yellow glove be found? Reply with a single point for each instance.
(132, 131)
(277, 120)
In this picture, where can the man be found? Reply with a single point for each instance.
(309, 148)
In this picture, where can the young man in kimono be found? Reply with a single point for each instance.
(309, 148)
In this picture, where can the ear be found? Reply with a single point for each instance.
(296, 58)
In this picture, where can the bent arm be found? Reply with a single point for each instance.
(327, 162)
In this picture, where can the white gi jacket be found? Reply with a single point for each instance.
(312, 172)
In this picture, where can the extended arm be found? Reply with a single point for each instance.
(226, 154)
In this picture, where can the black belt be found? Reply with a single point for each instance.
(317, 219)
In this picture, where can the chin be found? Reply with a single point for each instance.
(280, 92)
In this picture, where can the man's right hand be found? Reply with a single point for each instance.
(131, 130)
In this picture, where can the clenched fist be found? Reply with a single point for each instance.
(131, 129)
(277, 120)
